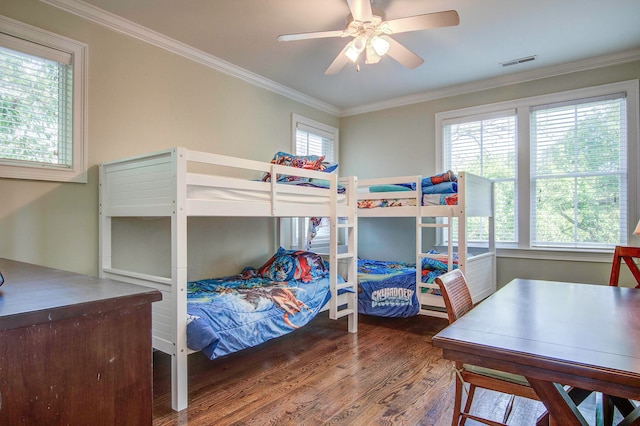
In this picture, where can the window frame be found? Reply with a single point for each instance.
(298, 120)
(79, 64)
(299, 228)
(522, 108)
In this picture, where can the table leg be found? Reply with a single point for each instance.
(632, 419)
(623, 405)
(577, 395)
(629, 411)
(562, 409)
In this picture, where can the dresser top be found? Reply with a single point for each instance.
(33, 294)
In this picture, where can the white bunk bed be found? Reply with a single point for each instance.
(164, 184)
(475, 199)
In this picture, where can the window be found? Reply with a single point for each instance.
(42, 104)
(579, 174)
(564, 165)
(313, 138)
(486, 146)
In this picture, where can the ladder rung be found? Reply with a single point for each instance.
(348, 255)
(344, 313)
(434, 255)
(342, 286)
(434, 225)
(427, 285)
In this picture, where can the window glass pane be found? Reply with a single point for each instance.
(487, 147)
(575, 151)
(506, 222)
(578, 174)
(35, 109)
(308, 143)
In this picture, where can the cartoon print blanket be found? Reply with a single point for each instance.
(232, 313)
(388, 288)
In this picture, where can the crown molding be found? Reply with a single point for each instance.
(124, 26)
(492, 83)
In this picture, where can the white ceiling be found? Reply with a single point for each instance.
(243, 33)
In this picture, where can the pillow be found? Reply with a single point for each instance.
(328, 167)
(308, 162)
(287, 265)
(441, 188)
(447, 176)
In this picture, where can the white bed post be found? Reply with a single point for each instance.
(419, 228)
(462, 223)
(179, 382)
(352, 244)
(350, 298)
(333, 250)
(104, 227)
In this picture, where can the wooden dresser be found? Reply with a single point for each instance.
(74, 349)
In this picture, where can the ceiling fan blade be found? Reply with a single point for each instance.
(403, 55)
(306, 36)
(338, 63)
(360, 10)
(448, 18)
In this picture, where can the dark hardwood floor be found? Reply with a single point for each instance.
(386, 374)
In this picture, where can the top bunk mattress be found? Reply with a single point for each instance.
(261, 193)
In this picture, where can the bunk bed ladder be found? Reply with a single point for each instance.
(344, 296)
(430, 304)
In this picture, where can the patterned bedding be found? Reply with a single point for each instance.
(388, 288)
(427, 200)
(232, 313)
(437, 190)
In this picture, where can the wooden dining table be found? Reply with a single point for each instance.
(557, 335)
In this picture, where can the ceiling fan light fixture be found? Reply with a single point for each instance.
(355, 48)
(371, 33)
(352, 52)
(380, 45)
(372, 56)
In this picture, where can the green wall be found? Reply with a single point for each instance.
(401, 141)
(142, 99)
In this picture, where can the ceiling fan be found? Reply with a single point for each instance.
(370, 32)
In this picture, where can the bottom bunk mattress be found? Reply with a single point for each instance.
(236, 312)
(388, 289)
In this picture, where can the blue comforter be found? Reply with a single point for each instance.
(232, 313)
(388, 289)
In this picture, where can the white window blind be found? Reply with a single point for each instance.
(564, 166)
(579, 173)
(486, 146)
(43, 104)
(314, 141)
(36, 107)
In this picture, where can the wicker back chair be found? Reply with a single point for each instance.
(457, 300)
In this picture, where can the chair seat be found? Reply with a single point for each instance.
(495, 374)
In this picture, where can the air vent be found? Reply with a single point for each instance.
(518, 61)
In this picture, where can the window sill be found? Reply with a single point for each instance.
(604, 256)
